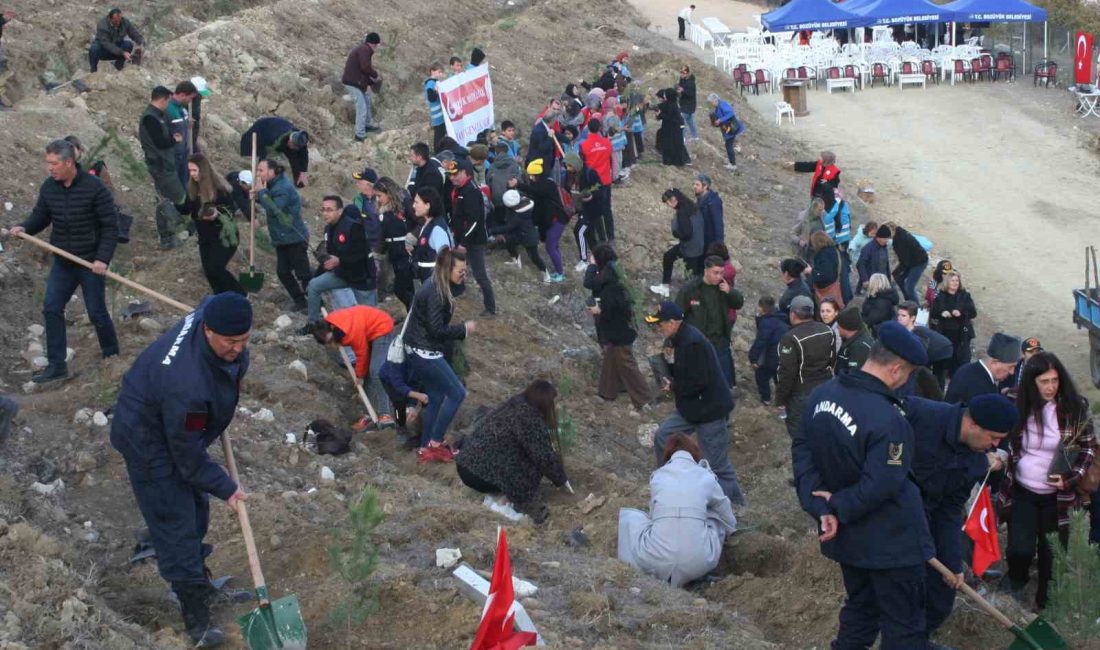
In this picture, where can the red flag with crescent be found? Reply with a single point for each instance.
(981, 526)
(1082, 59)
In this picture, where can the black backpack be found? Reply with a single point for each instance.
(329, 438)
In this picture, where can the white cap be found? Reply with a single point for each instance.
(245, 177)
(201, 86)
(511, 198)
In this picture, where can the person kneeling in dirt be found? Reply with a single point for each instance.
(703, 398)
(689, 518)
(513, 447)
(176, 400)
(115, 38)
(408, 398)
(853, 458)
(368, 331)
(955, 447)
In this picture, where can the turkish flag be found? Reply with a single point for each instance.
(1082, 59)
(497, 628)
(981, 526)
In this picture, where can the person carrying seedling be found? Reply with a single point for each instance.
(176, 400)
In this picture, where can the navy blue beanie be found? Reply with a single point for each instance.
(902, 342)
(228, 314)
(993, 412)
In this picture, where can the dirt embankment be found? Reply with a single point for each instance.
(66, 554)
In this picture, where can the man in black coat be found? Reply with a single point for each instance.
(158, 145)
(687, 91)
(468, 225)
(912, 260)
(425, 172)
(115, 37)
(807, 354)
(791, 270)
(981, 377)
(855, 341)
(703, 399)
(344, 258)
(85, 223)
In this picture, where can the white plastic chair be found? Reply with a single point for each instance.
(781, 109)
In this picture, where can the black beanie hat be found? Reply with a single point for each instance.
(476, 56)
(228, 314)
(884, 232)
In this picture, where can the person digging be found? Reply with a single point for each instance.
(176, 400)
(368, 331)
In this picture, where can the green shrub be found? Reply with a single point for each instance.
(1075, 583)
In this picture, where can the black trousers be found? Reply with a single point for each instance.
(475, 255)
(403, 287)
(764, 378)
(603, 195)
(473, 482)
(532, 254)
(214, 258)
(683, 27)
(292, 267)
(1032, 517)
(694, 264)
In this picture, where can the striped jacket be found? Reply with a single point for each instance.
(807, 354)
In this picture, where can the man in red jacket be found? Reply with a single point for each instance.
(596, 151)
(368, 331)
(359, 77)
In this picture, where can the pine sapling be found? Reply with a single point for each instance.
(1075, 582)
(354, 558)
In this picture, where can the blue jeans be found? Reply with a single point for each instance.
(64, 278)
(909, 282)
(731, 153)
(376, 392)
(689, 122)
(329, 281)
(714, 440)
(363, 116)
(725, 361)
(97, 54)
(445, 394)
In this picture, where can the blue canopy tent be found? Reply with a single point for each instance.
(998, 11)
(817, 15)
(894, 12)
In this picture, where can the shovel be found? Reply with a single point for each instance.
(1038, 635)
(110, 274)
(252, 281)
(274, 624)
(354, 379)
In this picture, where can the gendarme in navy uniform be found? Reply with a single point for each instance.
(176, 400)
(852, 458)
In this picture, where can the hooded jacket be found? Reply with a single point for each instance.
(615, 322)
(361, 326)
(770, 328)
(547, 197)
(519, 226)
(714, 226)
(175, 401)
(687, 226)
(697, 381)
(855, 443)
(503, 169)
(283, 205)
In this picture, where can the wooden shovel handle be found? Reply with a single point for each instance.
(252, 210)
(114, 276)
(973, 595)
(354, 378)
(246, 526)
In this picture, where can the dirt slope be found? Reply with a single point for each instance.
(774, 589)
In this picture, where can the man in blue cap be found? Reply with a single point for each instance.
(852, 458)
(175, 401)
(954, 450)
(703, 398)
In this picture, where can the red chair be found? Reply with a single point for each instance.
(833, 73)
(1048, 72)
(745, 81)
(790, 73)
(761, 80)
(1011, 62)
(878, 71)
(1001, 69)
(977, 69)
(804, 75)
(928, 69)
(907, 68)
(961, 71)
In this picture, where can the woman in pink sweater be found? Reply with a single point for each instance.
(1048, 455)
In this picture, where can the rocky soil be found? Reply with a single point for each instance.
(67, 517)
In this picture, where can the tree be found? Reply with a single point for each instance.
(355, 559)
(1075, 582)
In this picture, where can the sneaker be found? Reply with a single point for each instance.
(386, 422)
(168, 243)
(660, 289)
(360, 138)
(517, 262)
(487, 315)
(546, 277)
(305, 330)
(581, 266)
(374, 128)
(364, 424)
(731, 167)
(50, 373)
(557, 278)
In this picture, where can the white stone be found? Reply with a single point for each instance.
(263, 415)
(82, 416)
(327, 474)
(150, 325)
(446, 558)
(522, 588)
(39, 363)
(291, 439)
(36, 329)
(8, 205)
(646, 432)
(243, 410)
(69, 354)
(300, 368)
(99, 419)
(312, 490)
(283, 322)
(30, 387)
(88, 524)
(47, 489)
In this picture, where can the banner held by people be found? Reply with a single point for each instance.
(467, 100)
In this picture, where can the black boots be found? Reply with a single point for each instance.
(194, 605)
(51, 373)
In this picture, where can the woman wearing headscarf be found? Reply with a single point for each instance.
(670, 135)
(513, 447)
(1049, 454)
(689, 518)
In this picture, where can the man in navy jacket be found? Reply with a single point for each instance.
(344, 257)
(954, 450)
(852, 457)
(175, 401)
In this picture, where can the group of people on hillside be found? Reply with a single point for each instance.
(883, 458)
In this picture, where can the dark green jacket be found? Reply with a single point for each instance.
(109, 36)
(707, 308)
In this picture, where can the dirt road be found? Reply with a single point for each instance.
(994, 174)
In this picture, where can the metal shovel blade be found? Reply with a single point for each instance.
(1042, 633)
(251, 281)
(275, 626)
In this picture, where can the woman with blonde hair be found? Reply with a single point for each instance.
(881, 304)
(428, 339)
(395, 230)
(211, 205)
(954, 309)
